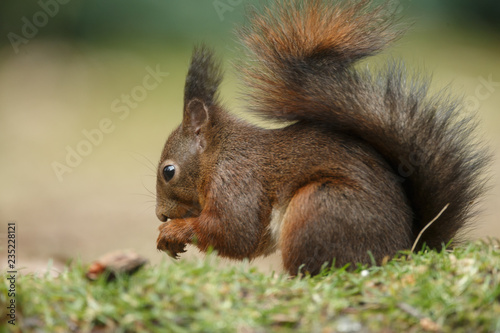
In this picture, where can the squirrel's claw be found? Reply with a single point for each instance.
(171, 248)
(174, 249)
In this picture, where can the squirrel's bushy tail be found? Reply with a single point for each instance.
(302, 53)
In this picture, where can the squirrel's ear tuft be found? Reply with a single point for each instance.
(203, 78)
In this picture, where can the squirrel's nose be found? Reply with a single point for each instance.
(162, 217)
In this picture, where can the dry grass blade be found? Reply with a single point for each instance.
(427, 226)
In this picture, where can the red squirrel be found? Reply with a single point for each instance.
(362, 163)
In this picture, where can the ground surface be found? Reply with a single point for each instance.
(430, 292)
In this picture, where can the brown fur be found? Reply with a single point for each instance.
(328, 188)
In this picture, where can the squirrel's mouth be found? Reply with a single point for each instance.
(188, 214)
(163, 218)
(177, 210)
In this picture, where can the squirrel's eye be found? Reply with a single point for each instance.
(168, 172)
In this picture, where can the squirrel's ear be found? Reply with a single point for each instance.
(195, 115)
(200, 92)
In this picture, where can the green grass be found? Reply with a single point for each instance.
(455, 291)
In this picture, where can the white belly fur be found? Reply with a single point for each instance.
(276, 224)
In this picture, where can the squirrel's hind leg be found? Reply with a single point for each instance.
(329, 221)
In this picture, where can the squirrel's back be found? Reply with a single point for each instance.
(302, 56)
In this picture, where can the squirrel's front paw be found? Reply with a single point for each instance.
(173, 238)
(171, 248)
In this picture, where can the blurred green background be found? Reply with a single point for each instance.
(67, 65)
(181, 21)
